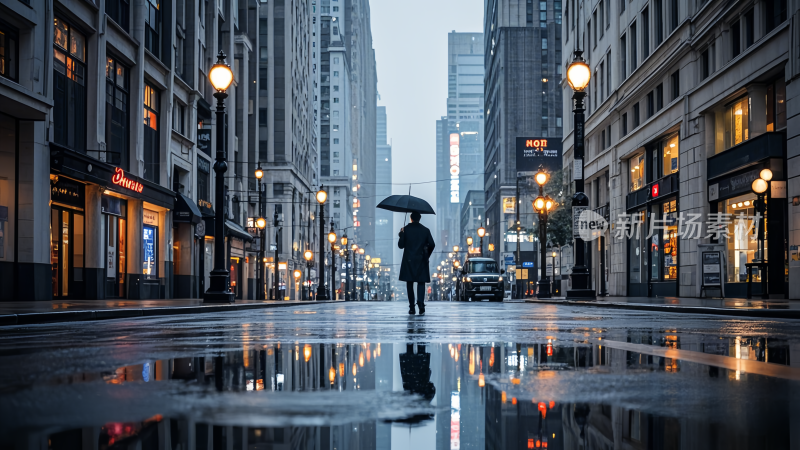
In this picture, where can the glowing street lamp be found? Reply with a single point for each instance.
(542, 205)
(219, 290)
(760, 187)
(481, 234)
(322, 196)
(578, 77)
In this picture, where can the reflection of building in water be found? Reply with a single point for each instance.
(485, 397)
(274, 367)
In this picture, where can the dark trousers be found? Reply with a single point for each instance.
(420, 294)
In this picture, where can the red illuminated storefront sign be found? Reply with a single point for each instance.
(120, 180)
(654, 190)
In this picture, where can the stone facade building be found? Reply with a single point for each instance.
(106, 165)
(348, 100)
(287, 138)
(689, 100)
(522, 54)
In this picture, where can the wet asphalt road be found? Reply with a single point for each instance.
(367, 375)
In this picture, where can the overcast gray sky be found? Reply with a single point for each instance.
(410, 41)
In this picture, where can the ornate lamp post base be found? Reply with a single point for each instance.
(218, 292)
(543, 288)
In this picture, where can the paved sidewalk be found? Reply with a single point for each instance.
(777, 308)
(26, 313)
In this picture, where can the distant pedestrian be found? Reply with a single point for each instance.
(417, 244)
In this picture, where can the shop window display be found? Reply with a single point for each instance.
(670, 240)
(149, 256)
(741, 243)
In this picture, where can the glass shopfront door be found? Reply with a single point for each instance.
(150, 252)
(67, 253)
(116, 256)
(116, 245)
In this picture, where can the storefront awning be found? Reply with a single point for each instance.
(186, 211)
(81, 167)
(233, 229)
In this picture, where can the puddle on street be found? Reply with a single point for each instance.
(494, 395)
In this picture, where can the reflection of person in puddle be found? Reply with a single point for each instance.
(415, 369)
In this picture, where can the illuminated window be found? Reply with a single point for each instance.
(152, 153)
(116, 113)
(737, 123)
(741, 243)
(69, 86)
(670, 153)
(8, 52)
(637, 172)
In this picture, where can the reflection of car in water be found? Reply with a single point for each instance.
(481, 278)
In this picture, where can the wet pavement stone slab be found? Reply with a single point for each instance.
(368, 375)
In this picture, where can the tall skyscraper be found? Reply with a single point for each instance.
(384, 220)
(287, 134)
(460, 134)
(523, 99)
(348, 97)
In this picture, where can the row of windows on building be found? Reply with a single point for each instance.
(529, 13)
(70, 111)
(742, 36)
(736, 123)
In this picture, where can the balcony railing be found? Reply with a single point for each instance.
(603, 211)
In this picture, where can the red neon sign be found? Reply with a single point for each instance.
(655, 190)
(535, 143)
(120, 180)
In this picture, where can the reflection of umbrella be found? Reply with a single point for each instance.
(406, 204)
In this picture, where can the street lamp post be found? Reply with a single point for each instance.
(578, 76)
(368, 266)
(297, 274)
(322, 294)
(219, 290)
(364, 282)
(760, 187)
(347, 296)
(308, 255)
(276, 222)
(481, 234)
(542, 205)
(260, 224)
(332, 240)
(354, 295)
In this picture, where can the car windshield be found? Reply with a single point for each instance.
(482, 267)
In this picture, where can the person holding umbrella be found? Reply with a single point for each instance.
(417, 244)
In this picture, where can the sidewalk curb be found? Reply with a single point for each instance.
(750, 312)
(106, 314)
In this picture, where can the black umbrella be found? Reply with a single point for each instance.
(406, 204)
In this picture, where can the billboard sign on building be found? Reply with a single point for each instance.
(535, 151)
(454, 167)
(509, 204)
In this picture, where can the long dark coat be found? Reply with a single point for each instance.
(417, 244)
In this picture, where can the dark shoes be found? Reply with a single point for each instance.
(411, 311)
(421, 310)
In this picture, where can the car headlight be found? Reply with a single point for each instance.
(469, 280)
(500, 278)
